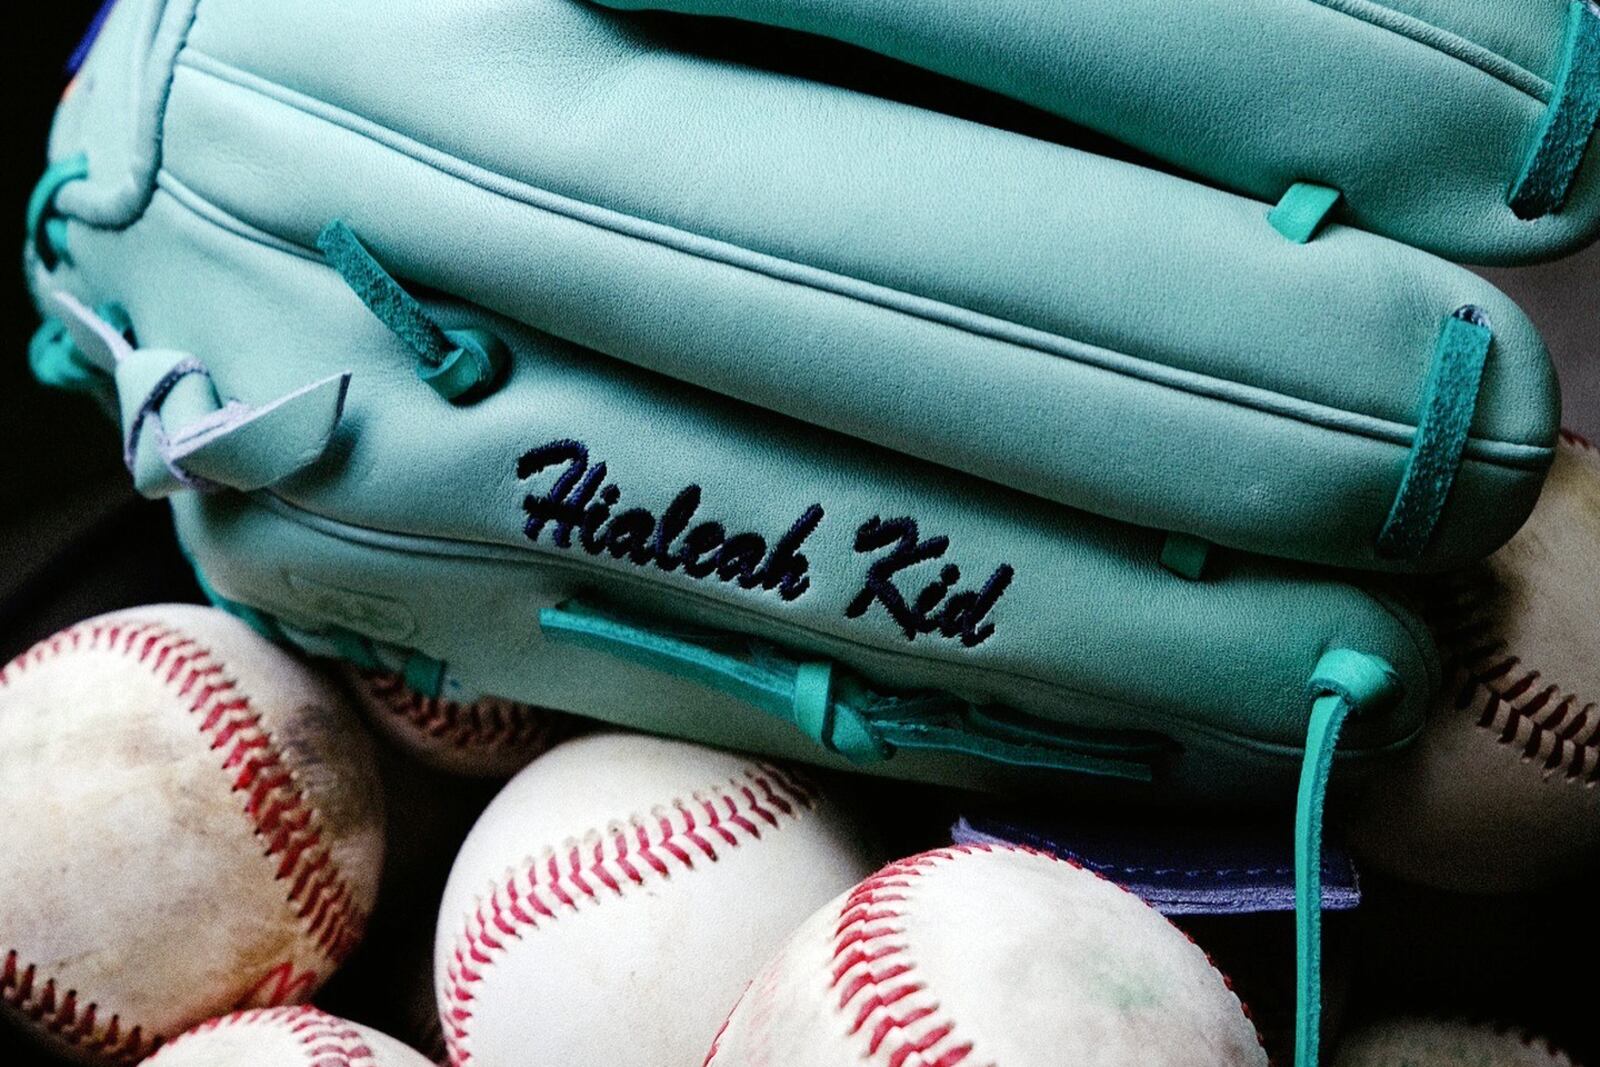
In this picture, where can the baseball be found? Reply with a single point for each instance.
(488, 737)
(1502, 791)
(190, 823)
(1444, 1043)
(615, 898)
(284, 1037)
(987, 954)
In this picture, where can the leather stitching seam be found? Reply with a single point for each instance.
(326, 1041)
(1553, 728)
(1154, 372)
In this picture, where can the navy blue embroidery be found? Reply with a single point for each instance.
(935, 609)
(580, 501)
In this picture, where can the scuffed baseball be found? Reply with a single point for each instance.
(1502, 791)
(615, 897)
(190, 823)
(1421, 1042)
(988, 954)
(486, 738)
(285, 1037)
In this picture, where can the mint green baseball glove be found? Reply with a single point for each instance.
(993, 393)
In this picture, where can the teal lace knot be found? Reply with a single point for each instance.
(838, 727)
(47, 230)
(56, 360)
(178, 431)
(460, 365)
(841, 713)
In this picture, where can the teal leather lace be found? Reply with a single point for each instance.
(459, 365)
(1344, 683)
(1569, 122)
(1450, 400)
(47, 230)
(843, 716)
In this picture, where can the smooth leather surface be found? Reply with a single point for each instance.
(787, 294)
(1079, 328)
(411, 532)
(1419, 111)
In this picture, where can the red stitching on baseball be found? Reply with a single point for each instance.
(64, 1019)
(607, 865)
(1573, 438)
(1529, 1039)
(277, 808)
(491, 722)
(1513, 704)
(877, 983)
(326, 1040)
(331, 1042)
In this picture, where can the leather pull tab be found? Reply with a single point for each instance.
(248, 447)
(101, 344)
(1303, 211)
(179, 432)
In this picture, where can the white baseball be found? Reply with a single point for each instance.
(977, 955)
(190, 823)
(488, 738)
(284, 1037)
(614, 899)
(1502, 791)
(1423, 1042)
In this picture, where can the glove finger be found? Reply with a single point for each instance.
(1424, 113)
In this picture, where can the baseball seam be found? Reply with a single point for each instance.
(609, 864)
(1392, 1038)
(326, 1041)
(1578, 440)
(277, 808)
(1544, 722)
(880, 993)
(1514, 705)
(488, 723)
(1535, 1041)
(876, 980)
(1528, 1038)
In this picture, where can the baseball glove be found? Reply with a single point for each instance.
(969, 392)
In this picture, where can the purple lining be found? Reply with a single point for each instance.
(81, 53)
(1217, 869)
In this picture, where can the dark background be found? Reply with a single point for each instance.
(74, 542)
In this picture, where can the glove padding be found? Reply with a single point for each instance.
(674, 351)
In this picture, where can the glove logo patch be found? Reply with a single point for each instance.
(579, 512)
(936, 609)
